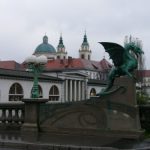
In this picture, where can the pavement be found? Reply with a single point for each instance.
(16, 141)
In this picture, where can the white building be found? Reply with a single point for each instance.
(16, 85)
(64, 79)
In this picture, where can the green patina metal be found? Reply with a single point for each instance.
(61, 44)
(36, 69)
(124, 59)
(45, 47)
(85, 41)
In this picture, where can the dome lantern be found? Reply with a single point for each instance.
(45, 39)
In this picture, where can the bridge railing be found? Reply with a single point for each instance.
(11, 114)
(144, 111)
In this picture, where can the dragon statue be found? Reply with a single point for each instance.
(124, 59)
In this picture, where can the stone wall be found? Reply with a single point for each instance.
(115, 113)
(144, 111)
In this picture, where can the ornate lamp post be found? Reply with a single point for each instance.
(36, 65)
(32, 105)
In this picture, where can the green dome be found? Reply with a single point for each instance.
(45, 47)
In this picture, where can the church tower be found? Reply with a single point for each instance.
(61, 53)
(85, 52)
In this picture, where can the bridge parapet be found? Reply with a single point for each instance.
(11, 115)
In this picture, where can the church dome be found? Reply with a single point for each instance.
(45, 47)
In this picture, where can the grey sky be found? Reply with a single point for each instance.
(24, 22)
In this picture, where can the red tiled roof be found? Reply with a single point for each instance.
(143, 73)
(10, 64)
(105, 64)
(77, 63)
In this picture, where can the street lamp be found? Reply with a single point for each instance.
(36, 64)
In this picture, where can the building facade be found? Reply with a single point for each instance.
(64, 79)
(16, 84)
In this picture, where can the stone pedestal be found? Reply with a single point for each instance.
(129, 95)
(31, 122)
(115, 114)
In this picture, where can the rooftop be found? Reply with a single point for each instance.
(77, 63)
(8, 73)
(10, 64)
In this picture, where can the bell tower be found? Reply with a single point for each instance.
(61, 52)
(84, 51)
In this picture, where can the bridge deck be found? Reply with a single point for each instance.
(16, 141)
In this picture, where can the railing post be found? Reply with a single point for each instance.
(31, 121)
(3, 117)
(22, 116)
(16, 117)
(9, 118)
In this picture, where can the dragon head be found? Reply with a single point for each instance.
(135, 48)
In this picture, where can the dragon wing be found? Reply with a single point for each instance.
(115, 52)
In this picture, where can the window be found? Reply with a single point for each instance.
(40, 91)
(93, 92)
(54, 93)
(88, 57)
(82, 56)
(15, 92)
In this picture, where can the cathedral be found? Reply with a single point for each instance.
(64, 78)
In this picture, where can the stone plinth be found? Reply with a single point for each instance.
(129, 96)
(115, 114)
(31, 121)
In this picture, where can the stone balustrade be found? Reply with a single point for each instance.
(11, 114)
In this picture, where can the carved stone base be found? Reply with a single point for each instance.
(115, 114)
(31, 123)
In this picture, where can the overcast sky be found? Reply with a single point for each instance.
(23, 23)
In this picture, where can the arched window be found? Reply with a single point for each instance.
(93, 92)
(40, 91)
(54, 93)
(82, 56)
(15, 92)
